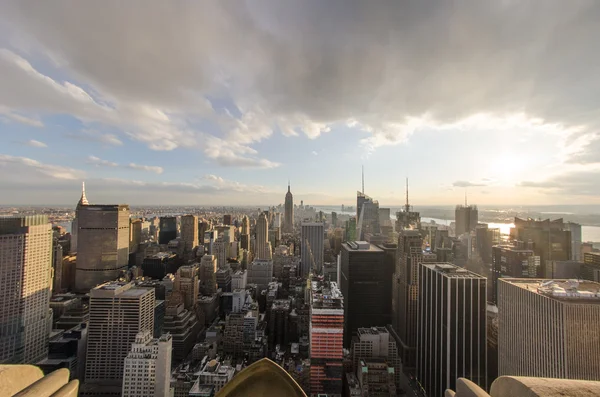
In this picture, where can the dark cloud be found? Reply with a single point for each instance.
(576, 183)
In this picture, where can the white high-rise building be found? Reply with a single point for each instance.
(312, 248)
(25, 280)
(262, 238)
(147, 367)
(118, 311)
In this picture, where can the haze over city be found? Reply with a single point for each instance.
(224, 102)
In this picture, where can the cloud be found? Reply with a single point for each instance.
(223, 184)
(99, 162)
(34, 143)
(576, 182)
(105, 163)
(306, 67)
(33, 122)
(95, 136)
(17, 168)
(467, 184)
(149, 168)
(314, 153)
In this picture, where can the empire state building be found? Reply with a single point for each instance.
(288, 224)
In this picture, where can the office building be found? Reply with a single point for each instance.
(102, 243)
(189, 234)
(376, 377)
(279, 324)
(260, 272)
(25, 284)
(485, 239)
(239, 279)
(575, 229)
(565, 269)
(223, 279)
(549, 328)
(376, 343)
(147, 367)
(512, 262)
(157, 266)
(590, 269)
(367, 215)
(312, 248)
(186, 282)
(215, 374)
(451, 327)
(167, 230)
(135, 234)
(466, 218)
(118, 311)
(233, 335)
(67, 349)
(182, 325)
(208, 275)
(227, 219)
(550, 240)
(366, 286)
(219, 250)
(326, 338)
(262, 238)
(288, 220)
(405, 293)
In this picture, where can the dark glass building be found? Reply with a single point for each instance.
(167, 229)
(366, 286)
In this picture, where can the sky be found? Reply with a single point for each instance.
(222, 102)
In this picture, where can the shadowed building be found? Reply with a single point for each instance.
(451, 327)
(167, 229)
(366, 286)
(102, 243)
(25, 280)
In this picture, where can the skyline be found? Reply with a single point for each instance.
(199, 104)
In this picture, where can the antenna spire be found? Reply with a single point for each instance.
(288, 185)
(363, 179)
(407, 205)
(83, 200)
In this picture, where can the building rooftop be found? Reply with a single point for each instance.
(372, 331)
(452, 271)
(575, 291)
(326, 295)
(362, 246)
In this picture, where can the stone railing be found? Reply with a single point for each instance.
(519, 386)
(29, 381)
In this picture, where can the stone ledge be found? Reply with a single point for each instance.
(29, 381)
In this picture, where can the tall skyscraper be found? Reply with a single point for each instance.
(102, 243)
(245, 225)
(167, 230)
(407, 218)
(551, 240)
(549, 328)
(326, 338)
(147, 367)
(312, 248)
(451, 331)
(219, 250)
(186, 282)
(135, 234)
(288, 226)
(512, 262)
(189, 233)
(575, 229)
(366, 286)
(367, 215)
(118, 311)
(262, 237)
(25, 281)
(405, 293)
(466, 218)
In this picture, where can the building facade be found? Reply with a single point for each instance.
(118, 311)
(326, 338)
(288, 220)
(549, 328)
(189, 233)
(167, 230)
(262, 237)
(376, 343)
(451, 327)
(466, 218)
(366, 286)
(102, 244)
(312, 248)
(147, 367)
(25, 282)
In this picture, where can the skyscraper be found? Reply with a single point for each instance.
(25, 280)
(367, 215)
(288, 226)
(186, 282)
(451, 330)
(102, 243)
(167, 230)
(405, 291)
(312, 248)
(260, 272)
(466, 218)
(575, 229)
(512, 262)
(189, 233)
(118, 311)
(147, 367)
(262, 237)
(326, 338)
(376, 343)
(366, 286)
(549, 328)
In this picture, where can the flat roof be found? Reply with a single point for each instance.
(361, 246)
(452, 271)
(571, 291)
